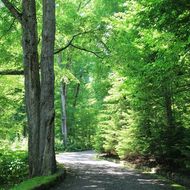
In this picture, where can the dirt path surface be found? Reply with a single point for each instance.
(85, 172)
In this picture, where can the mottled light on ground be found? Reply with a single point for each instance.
(86, 172)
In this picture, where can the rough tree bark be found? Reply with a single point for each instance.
(39, 98)
(47, 112)
(32, 81)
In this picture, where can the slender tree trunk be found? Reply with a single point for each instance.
(32, 82)
(170, 135)
(64, 112)
(25, 130)
(168, 107)
(47, 113)
(63, 93)
(76, 93)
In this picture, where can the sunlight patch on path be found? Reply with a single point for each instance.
(86, 157)
(86, 172)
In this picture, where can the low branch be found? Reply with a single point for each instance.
(12, 72)
(96, 53)
(13, 10)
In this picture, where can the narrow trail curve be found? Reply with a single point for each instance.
(85, 172)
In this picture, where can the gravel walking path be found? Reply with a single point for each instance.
(85, 172)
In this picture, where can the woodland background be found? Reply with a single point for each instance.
(124, 77)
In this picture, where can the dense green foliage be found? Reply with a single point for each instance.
(146, 110)
(13, 167)
(12, 113)
(126, 70)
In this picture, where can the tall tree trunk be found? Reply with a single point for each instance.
(63, 93)
(64, 112)
(76, 94)
(171, 127)
(47, 113)
(39, 97)
(32, 82)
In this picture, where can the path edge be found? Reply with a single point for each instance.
(171, 177)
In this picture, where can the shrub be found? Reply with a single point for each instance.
(13, 166)
(59, 145)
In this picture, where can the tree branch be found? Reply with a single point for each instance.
(13, 10)
(12, 72)
(96, 53)
(71, 40)
(78, 9)
(85, 4)
(105, 46)
(70, 43)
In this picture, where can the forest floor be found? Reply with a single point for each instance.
(86, 172)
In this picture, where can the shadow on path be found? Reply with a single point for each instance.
(85, 172)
